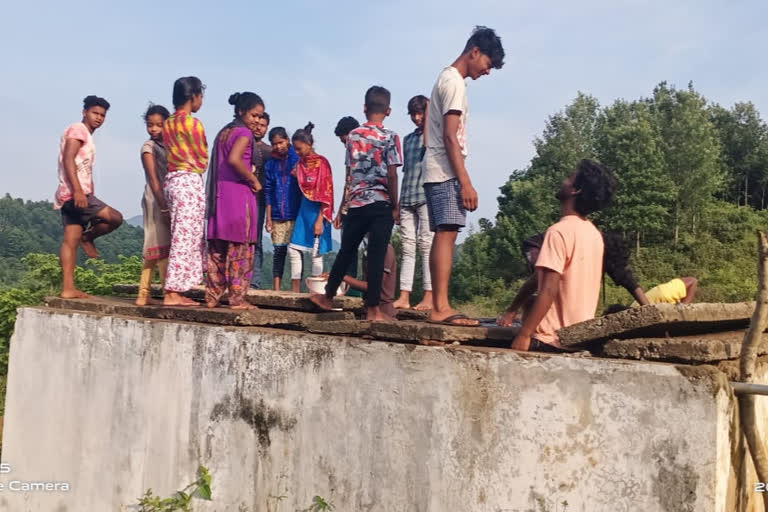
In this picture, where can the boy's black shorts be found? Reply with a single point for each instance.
(89, 215)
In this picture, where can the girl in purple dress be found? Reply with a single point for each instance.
(232, 205)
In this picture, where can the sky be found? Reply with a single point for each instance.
(313, 61)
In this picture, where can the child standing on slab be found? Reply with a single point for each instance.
(157, 220)
(414, 218)
(184, 139)
(312, 232)
(448, 188)
(283, 197)
(84, 216)
(373, 156)
(233, 209)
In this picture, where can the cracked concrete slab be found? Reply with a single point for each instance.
(660, 320)
(261, 298)
(700, 348)
(220, 316)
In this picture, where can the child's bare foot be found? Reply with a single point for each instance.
(375, 314)
(74, 293)
(403, 302)
(88, 248)
(321, 301)
(210, 303)
(176, 299)
(244, 305)
(425, 304)
(144, 299)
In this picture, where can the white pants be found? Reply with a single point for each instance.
(297, 262)
(413, 220)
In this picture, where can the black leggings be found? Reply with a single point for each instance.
(278, 260)
(376, 221)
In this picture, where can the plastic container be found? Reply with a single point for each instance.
(317, 285)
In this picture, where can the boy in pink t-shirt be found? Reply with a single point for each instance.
(84, 216)
(570, 263)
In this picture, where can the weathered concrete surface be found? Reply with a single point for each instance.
(342, 328)
(221, 316)
(702, 348)
(659, 320)
(410, 331)
(335, 322)
(265, 298)
(405, 330)
(116, 405)
(411, 314)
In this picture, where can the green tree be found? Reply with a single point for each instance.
(628, 144)
(744, 140)
(568, 137)
(691, 150)
(470, 275)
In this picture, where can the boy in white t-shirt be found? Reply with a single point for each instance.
(447, 187)
(84, 216)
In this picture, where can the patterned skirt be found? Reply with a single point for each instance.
(185, 196)
(282, 230)
(157, 230)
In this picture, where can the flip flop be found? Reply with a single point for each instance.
(450, 321)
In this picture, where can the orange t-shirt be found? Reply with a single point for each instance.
(574, 249)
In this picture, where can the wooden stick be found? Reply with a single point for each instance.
(748, 363)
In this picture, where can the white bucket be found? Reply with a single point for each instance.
(317, 285)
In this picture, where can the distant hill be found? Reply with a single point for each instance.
(34, 226)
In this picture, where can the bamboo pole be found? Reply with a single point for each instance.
(748, 363)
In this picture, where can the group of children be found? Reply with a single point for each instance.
(195, 231)
(287, 188)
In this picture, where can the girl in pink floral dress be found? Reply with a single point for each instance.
(184, 138)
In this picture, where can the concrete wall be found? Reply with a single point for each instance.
(116, 405)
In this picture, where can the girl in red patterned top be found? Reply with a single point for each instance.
(312, 232)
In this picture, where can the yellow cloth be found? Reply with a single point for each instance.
(668, 293)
